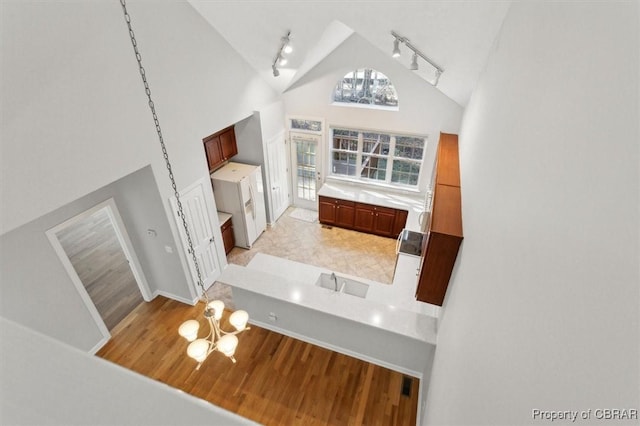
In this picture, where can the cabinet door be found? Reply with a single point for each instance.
(448, 164)
(228, 145)
(227, 236)
(364, 218)
(439, 260)
(345, 214)
(214, 153)
(327, 210)
(399, 222)
(383, 221)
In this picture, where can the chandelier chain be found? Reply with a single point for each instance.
(147, 90)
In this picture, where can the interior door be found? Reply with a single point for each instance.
(278, 184)
(198, 220)
(306, 166)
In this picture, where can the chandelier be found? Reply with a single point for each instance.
(219, 340)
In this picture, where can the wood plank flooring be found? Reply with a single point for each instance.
(95, 253)
(277, 380)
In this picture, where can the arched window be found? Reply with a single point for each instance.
(366, 86)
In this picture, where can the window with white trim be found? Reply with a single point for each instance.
(366, 87)
(371, 156)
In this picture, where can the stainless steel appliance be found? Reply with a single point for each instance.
(411, 242)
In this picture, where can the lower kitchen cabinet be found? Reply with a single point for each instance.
(375, 219)
(361, 217)
(227, 235)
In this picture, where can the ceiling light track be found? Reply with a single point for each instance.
(414, 58)
(280, 59)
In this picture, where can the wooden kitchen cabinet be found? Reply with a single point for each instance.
(327, 210)
(227, 235)
(220, 147)
(361, 217)
(345, 213)
(375, 219)
(445, 232)
(333, 211)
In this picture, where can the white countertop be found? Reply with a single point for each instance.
(223, 217)
(413, 203)
(389, 307)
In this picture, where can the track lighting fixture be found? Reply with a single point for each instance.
(414, 58)
(280, 59)
(396, 48)
(414, 62)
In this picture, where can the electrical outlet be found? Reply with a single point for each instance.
(273, 317)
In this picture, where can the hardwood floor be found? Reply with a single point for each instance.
(277, 380)
(95, 253)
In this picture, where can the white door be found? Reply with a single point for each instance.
(306, 166)
(198, 220)
(278, 184)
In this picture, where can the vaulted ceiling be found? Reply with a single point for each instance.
(457, 35)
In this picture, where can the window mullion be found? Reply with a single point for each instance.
(359, 155)
(392, 150)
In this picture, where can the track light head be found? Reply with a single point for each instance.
(414, 62)
(282, 61)
(396, 48)
(287, 47)
(276, 71)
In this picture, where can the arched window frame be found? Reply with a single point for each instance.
(369, 89)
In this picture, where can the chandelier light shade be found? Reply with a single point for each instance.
(225, 342)
(218, 339)
(413, 66)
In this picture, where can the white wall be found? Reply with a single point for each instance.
(36, 290)
(72, 387)
(542, 310)
(72, 114)
(423, 109)
(75, 117)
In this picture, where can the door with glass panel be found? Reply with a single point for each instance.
(306, 169)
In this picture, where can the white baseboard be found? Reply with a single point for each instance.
(99, 345)
(174, 297)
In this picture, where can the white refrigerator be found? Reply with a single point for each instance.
(238, 190)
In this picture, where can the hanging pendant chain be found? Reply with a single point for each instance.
(127, 18)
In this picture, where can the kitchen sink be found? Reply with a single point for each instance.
(345, 285)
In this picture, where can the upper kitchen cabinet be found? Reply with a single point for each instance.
(445, 231)
(448, 164)
(220, 147)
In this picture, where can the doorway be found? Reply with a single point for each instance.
(97, 253)
(306, 168)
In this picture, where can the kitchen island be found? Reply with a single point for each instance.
(386, 327)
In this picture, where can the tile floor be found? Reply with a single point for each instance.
(341, 250)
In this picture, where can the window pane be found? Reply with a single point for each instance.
(343, 163)
(409, 147)
(312, 125)
(376, 143)
(366, 86)
(345, 140)
(405, 172)
(374, 168)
